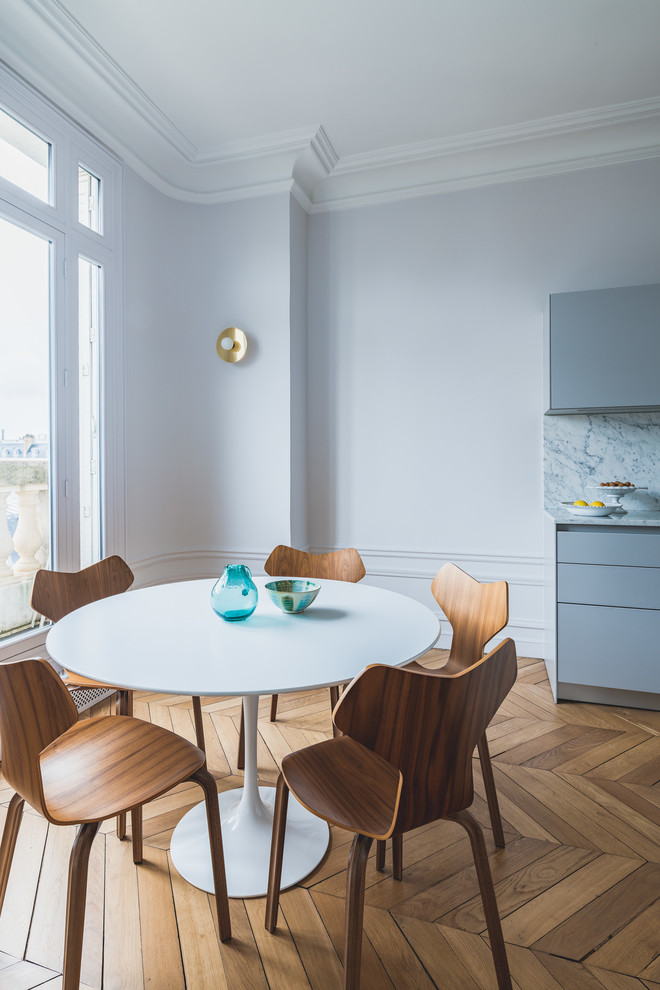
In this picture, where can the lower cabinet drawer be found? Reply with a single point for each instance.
(617, 546)
(595, 584)
(609, 647)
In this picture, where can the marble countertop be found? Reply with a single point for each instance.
(560, 514)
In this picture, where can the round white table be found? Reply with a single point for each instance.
(168, 639)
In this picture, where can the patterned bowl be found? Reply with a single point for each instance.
(293, 594)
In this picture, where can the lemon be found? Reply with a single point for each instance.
(601, 505)
(580, 501)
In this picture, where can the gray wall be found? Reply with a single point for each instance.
(208, 446)
(423, 395)
(299, 393)
(426, 366)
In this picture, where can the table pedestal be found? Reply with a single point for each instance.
(247, 821)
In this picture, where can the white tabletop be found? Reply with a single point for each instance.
(168, 639)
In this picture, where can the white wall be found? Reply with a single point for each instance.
(208, 443)
(425, 356)
(299, 393)
(423, 394)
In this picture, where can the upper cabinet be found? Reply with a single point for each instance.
(603, 350)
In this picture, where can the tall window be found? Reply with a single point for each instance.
(61, 455)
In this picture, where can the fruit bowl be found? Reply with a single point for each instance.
(293, 595)
(590, 510)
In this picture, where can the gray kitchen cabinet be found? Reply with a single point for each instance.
(608, 615)
(603, 350)
(611, 648)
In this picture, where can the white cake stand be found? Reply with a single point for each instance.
(613, 495)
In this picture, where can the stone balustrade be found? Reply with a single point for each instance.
(24, 538)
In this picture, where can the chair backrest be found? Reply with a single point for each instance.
(56, 593)
(341, 565)
(428, 727)
(35, 708)
(476, 611)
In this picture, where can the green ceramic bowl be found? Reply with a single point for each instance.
(293, 594)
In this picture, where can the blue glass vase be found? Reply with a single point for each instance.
(234, 595)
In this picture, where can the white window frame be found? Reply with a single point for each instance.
(58, 220)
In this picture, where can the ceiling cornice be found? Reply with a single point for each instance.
(50, 49)
(50, 16)
(604, 136)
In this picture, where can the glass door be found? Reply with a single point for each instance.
(25, 419)
(61, 352)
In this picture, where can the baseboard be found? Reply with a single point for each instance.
(608, 696)
(411, 573)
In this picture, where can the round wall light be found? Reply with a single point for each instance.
(232, 345)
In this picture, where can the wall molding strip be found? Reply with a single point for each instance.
(524, 574)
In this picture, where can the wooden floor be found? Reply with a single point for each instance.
(578, 885)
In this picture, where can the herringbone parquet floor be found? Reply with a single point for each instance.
(578, 884)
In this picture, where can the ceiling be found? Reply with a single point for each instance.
(349, 100)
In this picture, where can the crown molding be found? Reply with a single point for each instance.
(41, 41)
(44, 44)
(549, 146)
(49, 20)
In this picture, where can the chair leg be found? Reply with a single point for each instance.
(124, 706)
(334, 698)
(9, 837)
(240, 759)
(136, 834)
(276, 854)
(357, 866)
(125, 703)
(397, 856)
(199, 725)
(480, 856)
(273, 707)
(75, 904)
(207, 783)
(491, 793)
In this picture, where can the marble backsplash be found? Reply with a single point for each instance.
(585, 450)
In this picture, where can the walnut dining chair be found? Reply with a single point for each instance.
(83, 772)
(286, 562)
(56, 593)
(404, 760)
(476, 611)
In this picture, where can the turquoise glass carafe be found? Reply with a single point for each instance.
(234, 595)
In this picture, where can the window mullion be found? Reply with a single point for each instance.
(64, 412)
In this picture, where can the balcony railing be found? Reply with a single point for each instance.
(24, 538)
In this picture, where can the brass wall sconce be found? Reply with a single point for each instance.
(232, 345)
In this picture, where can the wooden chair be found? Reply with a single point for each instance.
(477, 612)
(405, 760)
(83, 772)
(56, 593)
(341, 565)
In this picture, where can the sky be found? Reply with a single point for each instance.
(24, 331)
